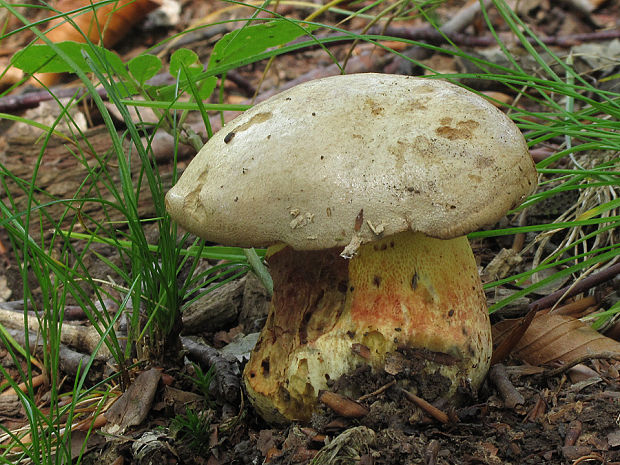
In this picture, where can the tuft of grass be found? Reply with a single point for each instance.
(585, 119)
(194, 429)
(553, 104)
(203, 380)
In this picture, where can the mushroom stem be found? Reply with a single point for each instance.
(408, 304)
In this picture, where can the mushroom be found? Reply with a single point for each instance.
(363, 187)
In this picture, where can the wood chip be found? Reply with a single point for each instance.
(10, 406)
(342, 406)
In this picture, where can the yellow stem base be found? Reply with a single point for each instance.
(403, 299)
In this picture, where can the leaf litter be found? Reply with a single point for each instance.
(559, 420)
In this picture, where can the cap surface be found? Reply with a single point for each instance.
(355, 158)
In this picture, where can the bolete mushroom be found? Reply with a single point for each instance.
(363, 187)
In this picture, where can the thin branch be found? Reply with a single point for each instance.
(577, 361)
(569, 291)
(509, 393)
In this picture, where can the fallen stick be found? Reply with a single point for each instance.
(37, 381)
(227, 372)
(600, 356)
(571, 290)
(577, 307)
(434, 37)
(342, 406)
(427, 407)
(70, 313)
(510, 395)
(455, 25)
(71, 362)
(381, 390)
(83, 338)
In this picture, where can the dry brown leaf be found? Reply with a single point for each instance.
(110, 22)
(134, 405)
(10, 76)
(504, 347)
(552, 337)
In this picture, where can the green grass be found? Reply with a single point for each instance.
(567, 107)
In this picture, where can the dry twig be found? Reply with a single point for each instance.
(84, 338)
(577, 361)
(427, 407)
(381, 390)
(342, 406)
(71, 362)
(227, 371)
(569, 291)
(509, 393)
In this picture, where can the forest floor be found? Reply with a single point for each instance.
(528, 414)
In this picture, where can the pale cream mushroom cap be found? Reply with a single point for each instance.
(409, 153)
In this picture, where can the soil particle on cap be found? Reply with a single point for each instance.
(375, 108)
(378, 229)
(256, 119)
(300, 219)
(460, 130)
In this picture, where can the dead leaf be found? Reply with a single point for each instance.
(134, 405)
(111, 22)
(353, 442)
(614, 438)
(80, 439)
(265, 441)
(553, 337)
(180, 400)
(502, 265)
(581, 372)
(504, 346)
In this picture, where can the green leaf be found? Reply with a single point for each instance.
(126, 88)
(43, 58)
(166, 93)
(251, 40)
(144, 67)
(170, 92)
(206, 87)
(185, 59)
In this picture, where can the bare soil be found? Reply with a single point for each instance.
(567, 418)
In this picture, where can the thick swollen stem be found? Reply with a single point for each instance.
(407, 301)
